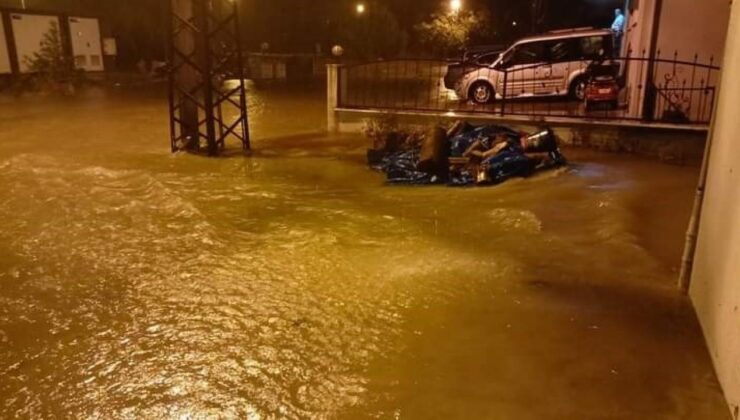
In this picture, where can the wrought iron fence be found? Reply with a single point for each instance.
(634, 87)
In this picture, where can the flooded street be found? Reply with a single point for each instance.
(294, 284)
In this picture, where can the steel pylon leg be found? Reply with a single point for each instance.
(207, 92)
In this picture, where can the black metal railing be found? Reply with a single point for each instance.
(635, 87)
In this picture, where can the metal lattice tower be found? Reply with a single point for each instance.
(208, 102)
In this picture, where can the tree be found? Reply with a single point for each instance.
(450, 32)
(52, 68)
(50, 58)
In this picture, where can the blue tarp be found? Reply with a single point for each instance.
(401, 168)
(511, 161)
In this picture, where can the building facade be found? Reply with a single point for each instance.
(22, 33)
(715, 288)
(683, 39)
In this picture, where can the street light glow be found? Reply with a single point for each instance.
(360, 8)
(455, 5)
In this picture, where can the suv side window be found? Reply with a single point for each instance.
(528, 54)
(593, 47)
(487, 59)
(560, 51)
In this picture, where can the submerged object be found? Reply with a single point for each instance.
(484, 155)
(542, 142)
(434, 152)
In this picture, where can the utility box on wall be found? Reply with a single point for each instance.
(29, 31)
(23, 32)
(87, 49)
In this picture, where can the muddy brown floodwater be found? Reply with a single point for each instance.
(294, 284)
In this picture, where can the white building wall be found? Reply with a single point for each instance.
(715, 287)
(5, 67)
(29, 31)
(688, 31)
(692, 27)
(688, 27)
(637, 39)
(87, 50)
(692, 31)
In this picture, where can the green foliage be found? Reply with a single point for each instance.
(450, 32)
(51, 68)
(50, 59)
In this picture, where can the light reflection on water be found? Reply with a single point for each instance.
(292, 284)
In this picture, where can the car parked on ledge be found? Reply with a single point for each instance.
(473, 57)
(553, 64)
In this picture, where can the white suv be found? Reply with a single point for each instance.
(553, 64)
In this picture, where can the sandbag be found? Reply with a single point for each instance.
(434, 152)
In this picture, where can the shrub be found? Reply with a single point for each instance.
(52, 70)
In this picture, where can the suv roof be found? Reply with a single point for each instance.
(565, 34)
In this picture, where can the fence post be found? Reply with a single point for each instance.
(503, 94)
(332, 97)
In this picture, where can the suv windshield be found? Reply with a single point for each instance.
(487, 59)
(525, 54)
(559, 50)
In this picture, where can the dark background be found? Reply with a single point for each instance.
(299, 25)
(291, 24)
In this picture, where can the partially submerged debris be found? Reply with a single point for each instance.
(467, 155)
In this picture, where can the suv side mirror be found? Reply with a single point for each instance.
(507, 59)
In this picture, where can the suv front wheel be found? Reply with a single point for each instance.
(578, 88)
(481, 93)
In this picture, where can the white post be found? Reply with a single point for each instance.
(332, 97)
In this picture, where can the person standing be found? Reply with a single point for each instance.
(618, 30)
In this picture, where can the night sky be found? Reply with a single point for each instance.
(289, 24)
(299, 25)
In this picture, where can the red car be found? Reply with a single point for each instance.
(602, 87)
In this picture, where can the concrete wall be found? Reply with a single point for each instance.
(5, 67)
(637, 39)
(282, 67)
(715, 288)
(688, 27)
(694, 27)
(670, 143)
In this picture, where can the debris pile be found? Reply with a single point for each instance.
(467, 155)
